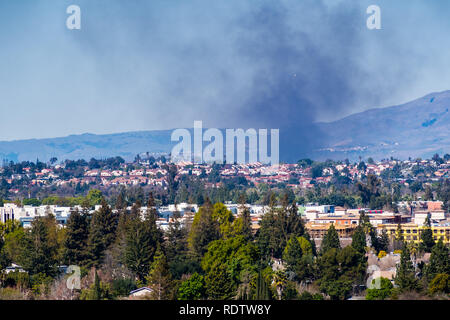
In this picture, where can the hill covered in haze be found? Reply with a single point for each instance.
(419, 128)
(87, 146)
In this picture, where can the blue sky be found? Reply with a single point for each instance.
(143, 65)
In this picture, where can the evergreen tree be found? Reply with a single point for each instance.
(77, 232)
(267, 237)
(277, 227)
(176, 238)
(219, 285)
(398, 238)
(262, 289)
(176, 248)
(38, 254)
(312, 242)
(159, 278)
(330, 240)
(139, 248)
(96, 290)
(439, 261)
(383, 241)
(102, 233)
(426, 236)
(292, 254)
(405, 277)
(150, 219)
(121, 203)
(359, 240)
(246, 224)
(141, 240)
(204, 230)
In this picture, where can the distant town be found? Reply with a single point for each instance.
(38, 181)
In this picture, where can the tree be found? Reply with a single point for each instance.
(330, 240)
(330, 281)
(382, 241)
(352, 265)
(369, 191)
(405, 277)
(97, 291)
(428, 196)
(76, 237)
(176, 248)
(440, 284)
(244, 222)
(15, 241)
(224, 219)
(4, 260)
(381, 293)
(139, 248)
(338, 270)
(439, 261)
(159, 278)
(306, 246)
(398, 241)
(38, 255)
(94, 197)
(101, 233)
(277, 227)
(426, 236)
(142, 237)
(236, 255)
(359, 240)
(192, 288)
(262, 291)
(218, 283)
(292, 254)
(204, 229)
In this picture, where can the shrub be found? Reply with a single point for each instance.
(122, 287)
(440, 283)
(381, 293)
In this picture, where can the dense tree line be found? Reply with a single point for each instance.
(218, 256)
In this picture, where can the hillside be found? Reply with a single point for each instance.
(86, 146)
(416, 129)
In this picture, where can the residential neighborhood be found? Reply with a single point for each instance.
(380, 210)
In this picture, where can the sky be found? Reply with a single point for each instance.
(161, 64)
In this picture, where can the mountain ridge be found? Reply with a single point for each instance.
(418, 128)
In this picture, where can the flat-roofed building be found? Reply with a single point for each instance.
(411, 232)
(318, 230)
